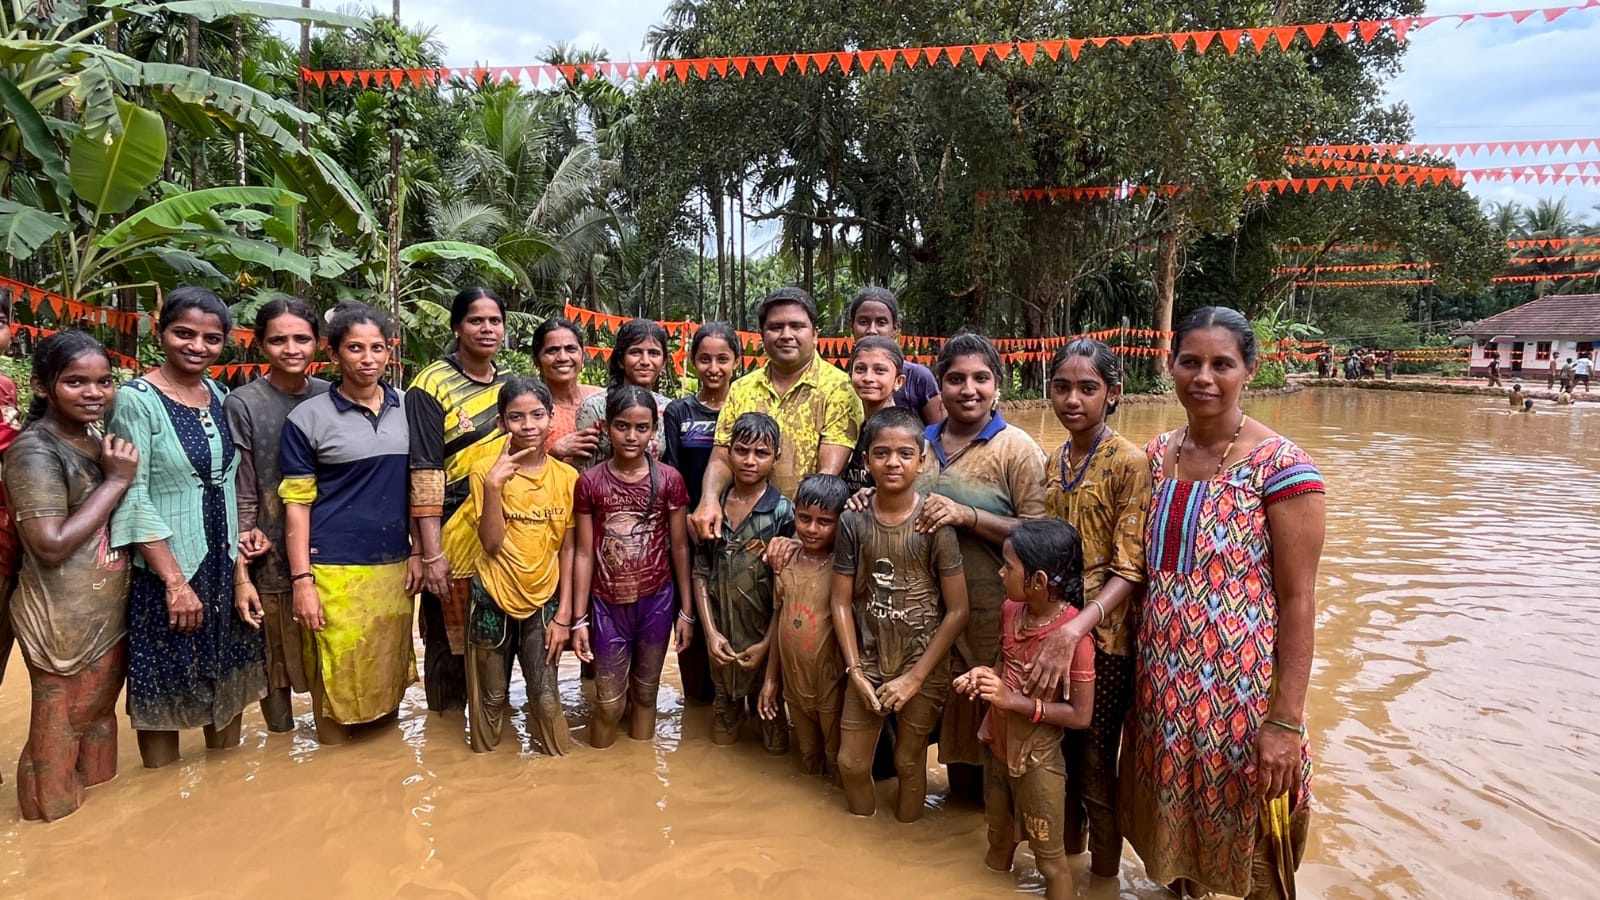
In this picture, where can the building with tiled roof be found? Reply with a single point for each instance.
(1526, 338)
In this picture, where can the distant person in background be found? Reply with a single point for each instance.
(1550, 382)
(1580, 373)
(1516, 396)
(1325, 362)
(1527, 405)
(1388, 365)
(1565, 375)
(1352, 366)
(1564, 398)
(1369, 361)
(1494, 368)
(875, 311)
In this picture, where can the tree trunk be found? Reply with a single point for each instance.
(238, 75)
(719, 225)
(1166, 285)
(301, 243)
(197, 151)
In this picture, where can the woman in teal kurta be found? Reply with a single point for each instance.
(192, 662)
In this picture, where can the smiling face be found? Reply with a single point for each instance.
(874, 377)
(527, 421)
(1078, 396)
(630, 432)
(361, 355)
(872, 318)
(1208, 372)
(642, 363)
(968, 389)
(193, 341)
(482, 330)
(713, 363)
(561, 357)
(289, 344)
(815, 528)
(893, 458)
(787, 335)
(82, 393)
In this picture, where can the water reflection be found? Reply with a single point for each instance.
(1454, 703)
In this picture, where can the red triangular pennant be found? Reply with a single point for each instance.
(1369, 30)
(1230, 39)
(1315, 33)
(1053, 49)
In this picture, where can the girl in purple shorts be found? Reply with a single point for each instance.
(630, 582)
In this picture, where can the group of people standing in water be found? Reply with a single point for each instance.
(1105, 641)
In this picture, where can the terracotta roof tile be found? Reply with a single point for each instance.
(1572, 314)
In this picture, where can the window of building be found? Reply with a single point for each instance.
(1542, 350)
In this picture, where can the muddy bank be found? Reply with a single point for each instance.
(1533, 389)
(1161, 399)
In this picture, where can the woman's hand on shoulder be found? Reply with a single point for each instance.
(939, 511)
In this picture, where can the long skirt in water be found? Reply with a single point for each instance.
(72, 736)
(494, 641)
(208, 676)
(362, 660)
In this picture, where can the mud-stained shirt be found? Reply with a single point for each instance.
(1023, 744)
(819, 408)
(66, 616)
(1105, 498)
(632, 545)
(898, 602)
(739, 581)
(808, 651)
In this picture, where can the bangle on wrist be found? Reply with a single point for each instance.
(1097, 605)
(303, 576)
(686, 617)
(430, 560)
(1038, 711)
(561, 623)
(1288, 726)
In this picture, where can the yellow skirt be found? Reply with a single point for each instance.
(363, 657)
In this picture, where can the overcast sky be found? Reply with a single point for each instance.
(1486, 80)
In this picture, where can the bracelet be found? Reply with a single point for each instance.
(1096, 603)
(561, 623)
(241, 582)
(417, 553)
(581, 623)
(686, 617)
(430, 560)
(1038, 710)
(974, 517)
(174, 590)
(854, 668)
(303, 576)
(1297, 729)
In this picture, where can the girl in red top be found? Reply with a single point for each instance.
(1025, 773)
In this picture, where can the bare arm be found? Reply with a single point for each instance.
(53, 539)
(832, 458)
(583, 566)
(1298, 527)
(1053, 666)
(245, 487)
(678, 533)
(491, 519)
(707, 518)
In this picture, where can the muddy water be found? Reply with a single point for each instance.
(1455, 705)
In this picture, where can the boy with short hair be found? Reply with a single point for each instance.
(733, 583)
(806, 664)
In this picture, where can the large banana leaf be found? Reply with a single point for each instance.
(24, 229)
(212, 10)
(112, 171)
(36, 137)
(455, 250)
(249, 251)
(175, 211)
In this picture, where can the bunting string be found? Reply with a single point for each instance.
(1228, 40)
(1498, 279)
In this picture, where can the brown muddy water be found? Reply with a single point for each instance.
(1454, 706)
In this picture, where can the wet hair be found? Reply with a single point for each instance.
(632, 333)
(348, 315)
(891, 419)
(180, 300)
(51, 357)
(967, 344)
(1053, 547)
(1104, 360)
(874, 294)
(464, 300)
(720, 330)
(1527, 404)
(522, 386)
(1227, 319)
(624, 397)
(878, 342)
(829, 492)
(756, 428)
(286, 306)
(786, 296)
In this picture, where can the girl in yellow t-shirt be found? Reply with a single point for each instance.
(520, 506)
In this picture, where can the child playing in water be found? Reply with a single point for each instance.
(1025, 773)
(805, 664)
(1516, 396)
(520, 505)
(877, 370)
(899, 600)
(632, 551)
(733, 584)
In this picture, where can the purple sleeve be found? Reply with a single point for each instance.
(920, 387)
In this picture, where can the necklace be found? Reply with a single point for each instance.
(177, 393)
(1068, 465)
(1024, 625)
(1177, 455)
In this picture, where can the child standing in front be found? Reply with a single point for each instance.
(733, 584)
(1025, 773)
(632, 564)
(805, 664)
(520, 506)
(899, 600)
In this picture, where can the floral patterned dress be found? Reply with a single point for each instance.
(1206, 638)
